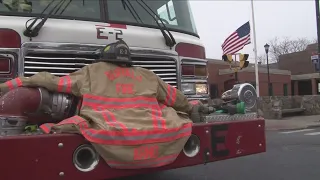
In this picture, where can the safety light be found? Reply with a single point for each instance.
(9, 38)
(227, 58)
(200, 70)
(193, 70)
(187, 70)
(201, 88)
(5, 65)
(243, 60)
(188, 88)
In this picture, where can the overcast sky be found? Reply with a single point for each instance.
(216, 20)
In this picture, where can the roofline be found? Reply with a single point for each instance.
(305, 76)
(252, 69)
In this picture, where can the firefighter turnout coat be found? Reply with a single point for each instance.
(133, 119)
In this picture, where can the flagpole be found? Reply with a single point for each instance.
(255, 50)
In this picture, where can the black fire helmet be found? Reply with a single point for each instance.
(116, 53)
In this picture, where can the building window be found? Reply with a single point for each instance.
(285, 89)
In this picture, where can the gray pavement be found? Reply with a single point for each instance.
(291, 155)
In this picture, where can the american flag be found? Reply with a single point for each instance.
(237, 40)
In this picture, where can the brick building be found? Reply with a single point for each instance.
(305, 74)
(221, 78)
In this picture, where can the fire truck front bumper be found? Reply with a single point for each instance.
(58, 156)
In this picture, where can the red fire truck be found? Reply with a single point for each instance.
(61, 36)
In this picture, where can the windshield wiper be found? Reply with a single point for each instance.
(35, 31)
(165, 27)
(28, 28)
(60, 7)
(67, 6)
(131, 10)
(170, 41)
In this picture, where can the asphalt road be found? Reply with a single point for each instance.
(291, 155)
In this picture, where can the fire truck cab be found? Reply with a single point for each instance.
(161, 35)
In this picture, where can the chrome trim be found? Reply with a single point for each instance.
(92, 49)
(41, 100)
(150, 51)
(194, 63)
(90, 162)
(13, 53)
(11, 57)
(75, 47)
(164, 63)
(183, 59)
(192, 146)
(194, 79)
(197, 97)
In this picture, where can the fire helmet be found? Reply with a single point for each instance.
(117, 53)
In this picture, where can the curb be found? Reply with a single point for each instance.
(292, 129)
(286, 129)
(314, 126)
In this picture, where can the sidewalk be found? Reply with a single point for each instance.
(295, 122)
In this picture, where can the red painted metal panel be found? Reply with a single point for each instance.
(39, 157)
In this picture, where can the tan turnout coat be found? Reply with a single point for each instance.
(133, 119)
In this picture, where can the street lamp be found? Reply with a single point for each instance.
(266, 48)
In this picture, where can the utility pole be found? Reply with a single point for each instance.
(236, 70)
(255, 51)
(318, 24)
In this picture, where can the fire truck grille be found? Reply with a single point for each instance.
(62, 64)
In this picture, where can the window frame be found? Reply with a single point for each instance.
(102, 15)
(104, 18)
(143, 25)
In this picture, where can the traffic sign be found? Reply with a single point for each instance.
(315, 58)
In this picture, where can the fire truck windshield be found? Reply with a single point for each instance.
(176, 14)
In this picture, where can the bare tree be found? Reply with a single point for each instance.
(286, 45)
(262, 59)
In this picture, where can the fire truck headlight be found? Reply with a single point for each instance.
(201, 88)
(188, 88)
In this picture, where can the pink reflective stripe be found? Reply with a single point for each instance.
(149, 163)
(119, 103)
(72, 120)
(162, 106)
(194, 102)
(64, 84)
(14, 83)
(171, 95)
(128, 136)
(46, 127)
(98, 102)
(158, 120)
(110, 119)
(134, 137)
